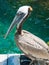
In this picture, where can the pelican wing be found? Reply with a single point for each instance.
(32, 46)
(37, 40)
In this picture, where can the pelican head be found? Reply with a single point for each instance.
(21, 15)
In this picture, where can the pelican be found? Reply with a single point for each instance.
(31, 45)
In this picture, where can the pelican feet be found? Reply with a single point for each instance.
(34, 62)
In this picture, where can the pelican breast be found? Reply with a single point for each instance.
(32, 45)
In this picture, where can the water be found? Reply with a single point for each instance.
(37, 23)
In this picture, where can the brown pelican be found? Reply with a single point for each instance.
(31, 45)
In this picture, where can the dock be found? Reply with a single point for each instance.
(17, 59)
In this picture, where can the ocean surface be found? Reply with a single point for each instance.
(37, 23)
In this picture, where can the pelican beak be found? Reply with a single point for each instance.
(15, 21)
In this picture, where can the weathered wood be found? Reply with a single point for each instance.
(13, 59)
(3, 59)
(18, 59)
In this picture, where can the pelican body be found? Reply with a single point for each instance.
(32, 46)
